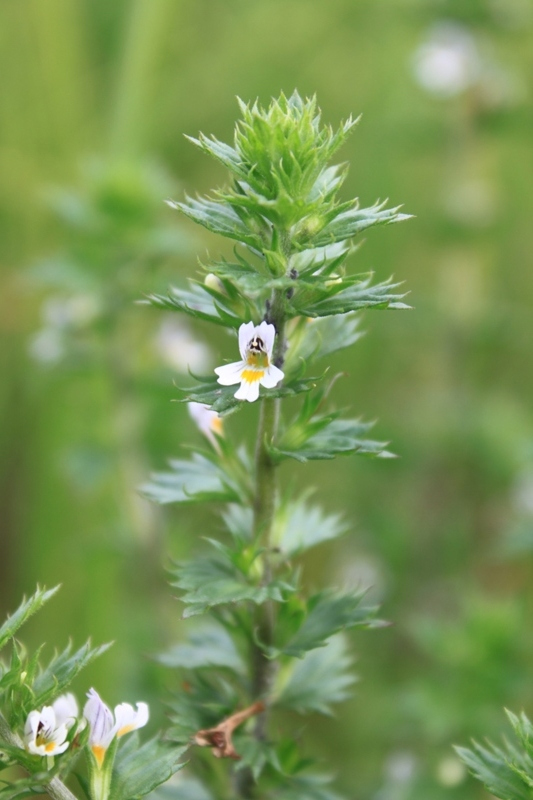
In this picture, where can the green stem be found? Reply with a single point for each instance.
(263, 669)
(55, 787)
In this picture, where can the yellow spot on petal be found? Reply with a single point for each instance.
(50, 747)
(125, 729)
(98, 753)
(252, 375)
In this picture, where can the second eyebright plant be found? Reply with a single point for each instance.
(269, 645)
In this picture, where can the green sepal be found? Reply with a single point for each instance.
(100, 777)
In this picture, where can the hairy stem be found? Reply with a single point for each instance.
(263, 670)
(55, 787)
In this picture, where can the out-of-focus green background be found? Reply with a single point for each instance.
(95, 98)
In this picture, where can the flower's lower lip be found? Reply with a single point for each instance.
(252, 375)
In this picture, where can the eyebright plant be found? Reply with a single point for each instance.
(288, 302)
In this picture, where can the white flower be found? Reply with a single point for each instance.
(208, 421)
(66, 710)
(448, 62)
(104, 727)
(178, 348)
(255, 344)
(44, 733)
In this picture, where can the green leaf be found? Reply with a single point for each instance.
(351, 222)
(321, 678)
(324, 437)
(325, 615)
(224, 153)
(140, 769)
(314, 338)
(24, 612)
(61, 671)
(298, 527)
(308, 787)
(182, 788)
(195, 481)
(222, 398)
(210, 646)
(350, 294)
(218, 218)
(227, 307)
(255, 754)
(213, 581)
(492, 767)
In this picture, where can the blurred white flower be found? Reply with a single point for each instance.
(208, 421)
(255, 344)
(450, 771)
(523, 494)
(448, 62)
(47, 346)
(176, 345)
(400, 767)
(70, 312)
(104, 727)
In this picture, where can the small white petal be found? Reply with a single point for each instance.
(30, 729)
(48, 718)
(272, 377)
(36, 750)
(230, 374)
(127, 719)
(267, 333)
(66, 709)
(100, 720)
(246, 333)
(248, 391)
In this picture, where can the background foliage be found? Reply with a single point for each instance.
(95, 99)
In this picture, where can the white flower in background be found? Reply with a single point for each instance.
(47, 346)
(208, 421)
(448, 62)
(177, 346)
(46, 731)
(255, 344)
(104, 727)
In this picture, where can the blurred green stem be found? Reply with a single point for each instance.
(149, 22)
